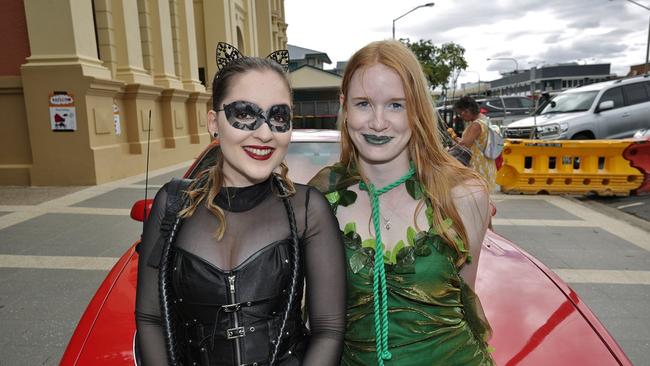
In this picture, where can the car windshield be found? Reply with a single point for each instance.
(571, 102)
(305, 159)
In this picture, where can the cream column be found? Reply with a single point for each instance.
(218, 28)
(64, 59)
(264, 27)
(130, 67)
(164, 74)
(188, 53)
(63, 33)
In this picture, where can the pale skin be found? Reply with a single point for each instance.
(376, 105)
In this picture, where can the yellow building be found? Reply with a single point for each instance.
(79, 80)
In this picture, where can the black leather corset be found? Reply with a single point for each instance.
(233, 317)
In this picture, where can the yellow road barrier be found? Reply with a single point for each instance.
(567, 166)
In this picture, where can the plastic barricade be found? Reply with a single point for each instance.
(638, 153)
(567, 167)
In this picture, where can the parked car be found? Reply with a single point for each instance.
(503, 110)
(609, 110)
(642, 133)
(537, 319)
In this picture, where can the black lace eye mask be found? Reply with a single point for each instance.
(249, 116)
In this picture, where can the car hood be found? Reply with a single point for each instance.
(536, 318)
(546, 119)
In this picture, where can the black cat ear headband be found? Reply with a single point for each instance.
(227, 53)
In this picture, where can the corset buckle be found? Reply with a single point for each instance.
(234, 333)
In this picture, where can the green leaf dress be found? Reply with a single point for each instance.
(434, 317)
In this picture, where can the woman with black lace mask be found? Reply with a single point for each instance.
(229, 284)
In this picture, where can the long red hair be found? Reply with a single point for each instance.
(437, 171)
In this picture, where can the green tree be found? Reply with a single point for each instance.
(438, 62)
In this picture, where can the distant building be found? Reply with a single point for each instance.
(315, 91)
(340, 67)
(474, 88)
(299, 56)
(638, 69)
(550, 78)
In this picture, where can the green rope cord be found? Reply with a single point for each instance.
(379, 273)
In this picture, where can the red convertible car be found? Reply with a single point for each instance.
(537, 319)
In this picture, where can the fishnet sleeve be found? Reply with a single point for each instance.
(326, 279)
(150, 338)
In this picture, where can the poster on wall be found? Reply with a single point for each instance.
(62, 112)
(116, 120)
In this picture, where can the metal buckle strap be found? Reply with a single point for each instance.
(230, 308)
(233, 333)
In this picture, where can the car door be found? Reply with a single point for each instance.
(637, 108)
(517, 108)
(610, 123)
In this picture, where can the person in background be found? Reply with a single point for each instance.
(226, 287)
(412, 217)
(475, 138)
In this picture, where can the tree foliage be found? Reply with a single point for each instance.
(438, 62)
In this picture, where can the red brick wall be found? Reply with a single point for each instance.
(14, 41)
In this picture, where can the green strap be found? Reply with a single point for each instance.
(380, 294)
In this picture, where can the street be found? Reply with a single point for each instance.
(57, 245)
(638, 206)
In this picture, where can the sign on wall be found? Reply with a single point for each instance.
(62, 112)
(116, 120)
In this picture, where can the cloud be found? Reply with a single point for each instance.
(585, 23)
(553, 38)
(599, 47)
(501, 66)
(502, 54)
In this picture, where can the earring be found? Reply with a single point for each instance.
(216, 134)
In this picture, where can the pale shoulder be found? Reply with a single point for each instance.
(471, 192)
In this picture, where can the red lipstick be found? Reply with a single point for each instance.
(259, 152)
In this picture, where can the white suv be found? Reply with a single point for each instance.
(608, 110)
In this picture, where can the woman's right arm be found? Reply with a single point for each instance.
(326, 281)
(150, 338)
(471, 133)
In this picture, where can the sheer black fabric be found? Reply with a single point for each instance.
(253, 258)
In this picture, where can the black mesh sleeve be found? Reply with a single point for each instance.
(325, 275)
(151, 343)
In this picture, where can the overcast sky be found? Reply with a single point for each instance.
(534, 32)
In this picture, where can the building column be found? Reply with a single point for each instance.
(197, 115)
(174, 116)
(130, 66)
(265, 31)
(217, 28)
(64, 59)
(164, 73)
(74, 44)
(188, 49)
(139, 101)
